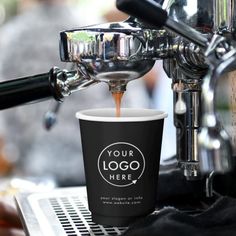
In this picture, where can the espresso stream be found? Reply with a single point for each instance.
(117, 96)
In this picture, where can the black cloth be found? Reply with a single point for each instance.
(180, 202)
(218, 220)
(175, 190)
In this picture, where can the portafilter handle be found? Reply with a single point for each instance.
(152, 13)
(55, 84)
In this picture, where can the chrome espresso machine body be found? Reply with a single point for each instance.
(196, 41)
(197, 59)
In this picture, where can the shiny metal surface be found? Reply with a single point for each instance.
(226, 105)
(208, 17)
(198, 29)
(187, 32)
(224, 13)
(108, 42)
(211, 16)
(192, 24)
(116, 41)
(195, 13)
(109, 52)
(197, 45)
(117, 53)
(215, 151)
(59, 212)
(209, 185)
(214, 143)
(67, 82)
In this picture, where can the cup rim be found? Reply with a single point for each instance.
(127, 115)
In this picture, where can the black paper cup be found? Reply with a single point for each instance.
(121, 159)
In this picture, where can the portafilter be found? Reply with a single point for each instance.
(115, 53)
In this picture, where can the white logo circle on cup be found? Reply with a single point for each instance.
(121, 164)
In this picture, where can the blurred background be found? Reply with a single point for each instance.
(10, 8)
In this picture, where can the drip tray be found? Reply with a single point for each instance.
(60, 212)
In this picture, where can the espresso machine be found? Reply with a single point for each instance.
(197, 50)
(195, 39)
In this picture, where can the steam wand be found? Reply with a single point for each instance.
(215, 151)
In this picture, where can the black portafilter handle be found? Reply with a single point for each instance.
(151, 13)
(28, 89)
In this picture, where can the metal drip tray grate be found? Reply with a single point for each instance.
(75, 217)
(61, 212)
